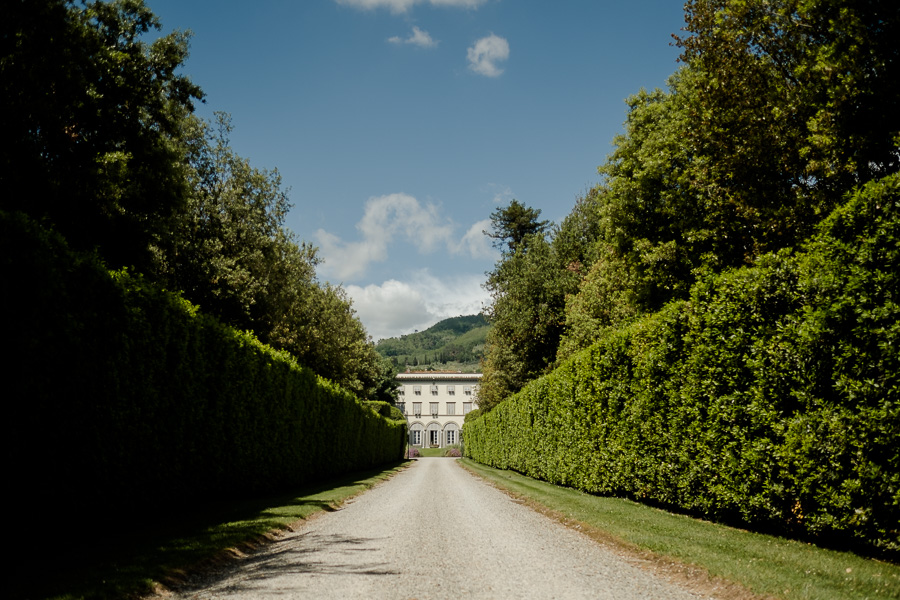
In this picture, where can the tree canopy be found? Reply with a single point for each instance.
(511, 224)
(780, 109)
(91, 123)
(528, 288)
(100, 143)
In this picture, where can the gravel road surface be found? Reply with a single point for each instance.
(435, 531)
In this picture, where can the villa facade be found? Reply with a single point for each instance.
(435, 405)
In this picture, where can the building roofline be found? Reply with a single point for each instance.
(435, 375)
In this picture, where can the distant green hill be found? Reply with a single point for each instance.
(452, 344)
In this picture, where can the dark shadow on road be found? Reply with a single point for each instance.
(115, 555)
(299, 554)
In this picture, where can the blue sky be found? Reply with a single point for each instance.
(400, 125)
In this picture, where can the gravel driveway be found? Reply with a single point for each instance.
(435, 531)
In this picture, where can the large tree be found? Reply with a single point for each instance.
(90, 121)
(322, 330)
(528, 289)
(234, 257)
(782, 107)
(232, 254)
(511, 224)
(98, 142)
(816, 80)
(790, 104)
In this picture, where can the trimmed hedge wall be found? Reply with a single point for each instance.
(119, 393)
(771, 397)
(386, 410)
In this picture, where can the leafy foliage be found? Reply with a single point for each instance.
(528, 289)
(528, 292)
(234, 258)
(91, 123)
(512, 224)
(232, 255)
(815, 86)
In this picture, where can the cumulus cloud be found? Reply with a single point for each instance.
(486, 53)
(386, 218)
(416, 38)
(402, 6)
(475, 243)
(399, 307)
(348, 260)
(399, 217)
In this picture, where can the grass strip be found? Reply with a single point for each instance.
(431, 452)
(136, 560)
(763, 564)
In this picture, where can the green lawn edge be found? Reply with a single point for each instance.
(765, 565)
(138, 561)
(431, 452)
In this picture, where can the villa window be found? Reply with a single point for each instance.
(434, 409)
(417, 390)
(467, 407)
(451, 408)
(417, 409)
(467, 390)
(451, 437)
(416, 437)
(434, 390)
(402, 407)
(451, 389)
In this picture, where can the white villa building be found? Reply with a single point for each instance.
(435, 404)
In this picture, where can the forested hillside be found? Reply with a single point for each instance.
(713, 326)
(456, 343)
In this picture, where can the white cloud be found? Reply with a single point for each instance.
(348, 260)
(486, 53)
(395, 307)
(417, 38)
(402, 6)
(475, 243)
(398, 217)
(385, 219)
(457, 3)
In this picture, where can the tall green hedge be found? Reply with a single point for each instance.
(122, 394)
(771, 397)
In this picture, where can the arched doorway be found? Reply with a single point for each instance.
(451, 434)
(433, 435)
